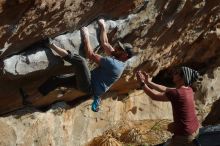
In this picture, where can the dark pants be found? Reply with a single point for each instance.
(80, 81)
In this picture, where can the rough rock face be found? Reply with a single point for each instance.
(208, 93)
(166, 33)
(77, 125)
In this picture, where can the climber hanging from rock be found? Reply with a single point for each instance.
(96, 82)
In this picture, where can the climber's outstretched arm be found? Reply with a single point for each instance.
(88, 48)
(104, 39)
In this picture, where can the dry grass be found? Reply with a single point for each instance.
(138, 133)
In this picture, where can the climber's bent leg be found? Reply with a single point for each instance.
(82, 72)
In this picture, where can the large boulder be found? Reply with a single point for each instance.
(166, 33)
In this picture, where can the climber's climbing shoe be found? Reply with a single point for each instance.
(96, 104)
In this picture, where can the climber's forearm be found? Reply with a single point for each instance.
(104, 39)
